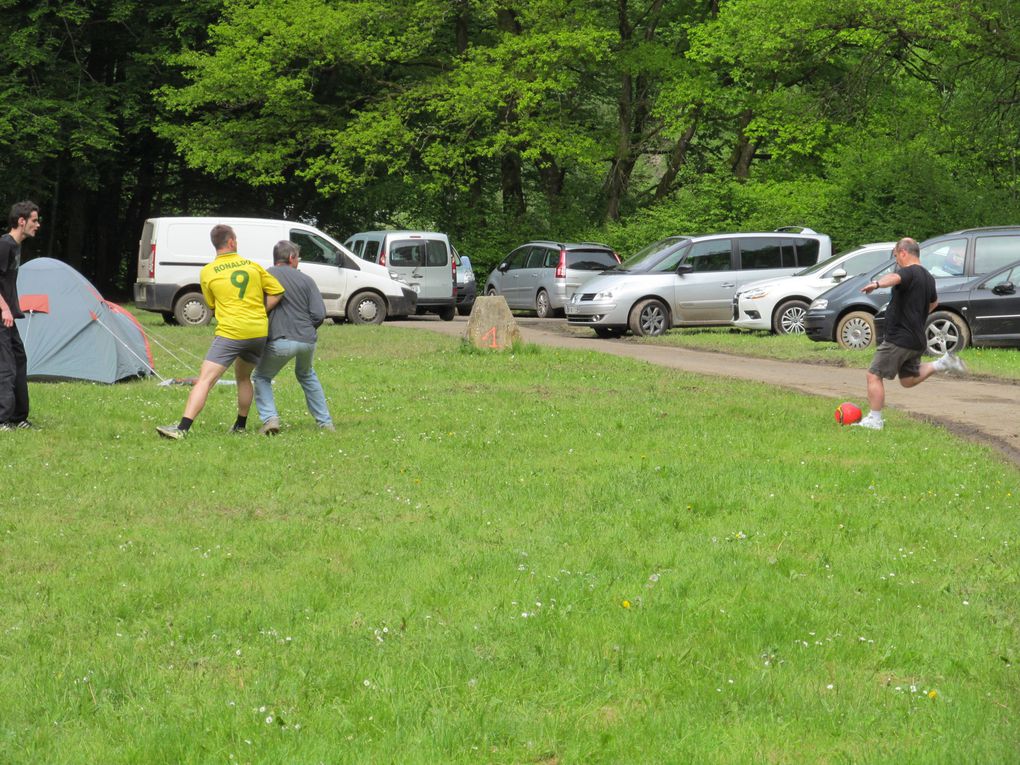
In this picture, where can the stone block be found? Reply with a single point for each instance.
(492, 325)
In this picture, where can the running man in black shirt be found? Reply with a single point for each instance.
(24, 223)
(913, 298)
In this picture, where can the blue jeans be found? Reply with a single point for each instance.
(274, 358)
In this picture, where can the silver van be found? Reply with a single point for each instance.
(172, 251)
(684, 281)
(423, 259)
(541, 276)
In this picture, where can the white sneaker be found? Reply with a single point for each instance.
(871, 422)
(953, 364)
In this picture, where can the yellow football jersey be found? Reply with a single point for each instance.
(236, 287)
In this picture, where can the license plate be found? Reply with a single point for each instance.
(570, 309)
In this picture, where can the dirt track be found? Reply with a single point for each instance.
(975, 409)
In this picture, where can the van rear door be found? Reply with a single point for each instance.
(147, 254)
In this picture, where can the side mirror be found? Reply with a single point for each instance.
(839, 274)
(503, 267)
(684, 268)
(1005, 288)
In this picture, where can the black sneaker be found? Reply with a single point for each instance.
(5, 426)
(236, 430)
(24, 425)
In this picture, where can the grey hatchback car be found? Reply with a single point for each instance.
(541, 276)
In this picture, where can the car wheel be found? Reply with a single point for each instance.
(789, 318)
(191, 310)
(447, 312)
(490, 291)
(946, 333)
(542, 307)
(607, 333)
(856, 331)
(649, 318)
(465, 310)
(366, 308)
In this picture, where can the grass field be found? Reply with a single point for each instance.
(539, 557)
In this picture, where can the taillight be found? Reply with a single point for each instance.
(561, 267)
(152, 263)
(382, 258)
(453, 272)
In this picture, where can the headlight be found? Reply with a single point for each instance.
(820, 305)
(756, 294)
(604, 295)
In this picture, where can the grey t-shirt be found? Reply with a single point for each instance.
(300, 311)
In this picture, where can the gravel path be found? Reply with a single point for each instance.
(975, 409)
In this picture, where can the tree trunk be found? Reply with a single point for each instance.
(512, 186)
(743, 152)
(677, 157)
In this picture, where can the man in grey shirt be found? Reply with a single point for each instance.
(292, 326)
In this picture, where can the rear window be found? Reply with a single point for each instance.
(590, 260)
(437, 254)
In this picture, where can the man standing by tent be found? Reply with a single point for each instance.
(24, 222)
(292, 335)
(240, 293)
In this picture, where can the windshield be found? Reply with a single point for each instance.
(822, 264)
(648, 257)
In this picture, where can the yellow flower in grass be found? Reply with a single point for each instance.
(625, 604)
(933, 694)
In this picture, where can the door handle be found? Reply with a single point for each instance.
(729, 284)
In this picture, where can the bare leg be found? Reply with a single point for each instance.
(207, 377)
(245, 390)
(876, 392)
(926, 371)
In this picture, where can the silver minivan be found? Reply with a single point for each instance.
(541, 276)
(683, 281)
(423, 259)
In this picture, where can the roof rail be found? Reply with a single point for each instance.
(796, 230)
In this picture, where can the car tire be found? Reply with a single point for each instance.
(542, 306)
(856, 331)
(447, 312)
(465, 310)
(366, 308)
(946, 332)
(191, 310)
(607, 333)
(649, 318)
(789, 318)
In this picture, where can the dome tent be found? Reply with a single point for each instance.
(71, 333)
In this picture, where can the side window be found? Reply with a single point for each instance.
(516, 259)
(315, 249)
(858, 264)
(807, 253)
(945, 258)
(436, 253)
(992, 252)
(356, 246)
(371, 251)
(714, 255)
(536, 258)
(764, 252)
(552, 258)
(407, 254)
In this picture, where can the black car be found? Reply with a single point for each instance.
(846, 316)
(981, 311)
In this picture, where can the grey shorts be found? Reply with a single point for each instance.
(225, 351)
(891, 360)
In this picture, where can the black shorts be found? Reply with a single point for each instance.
(891, 360)
(225, 351)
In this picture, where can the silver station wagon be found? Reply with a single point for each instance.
(687, 281)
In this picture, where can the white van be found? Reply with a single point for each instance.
(172, 251)
(423, 259)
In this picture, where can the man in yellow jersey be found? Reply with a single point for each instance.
(240, 293)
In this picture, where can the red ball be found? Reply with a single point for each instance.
(847, 413)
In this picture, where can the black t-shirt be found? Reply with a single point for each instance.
(10, 259)
(908, 311)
